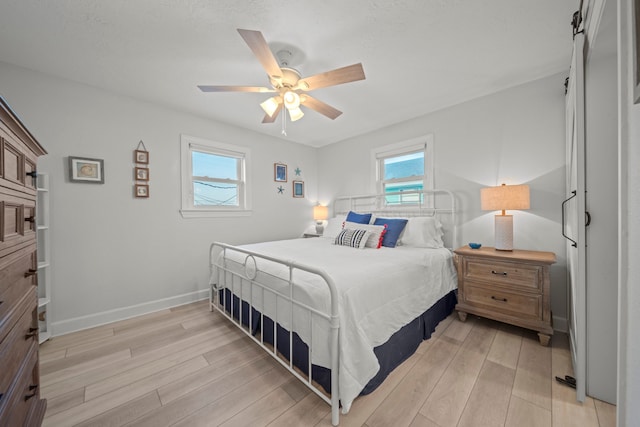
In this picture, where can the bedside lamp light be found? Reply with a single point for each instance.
(320, 213)
(502, 198)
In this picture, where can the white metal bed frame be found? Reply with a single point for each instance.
(428, 204)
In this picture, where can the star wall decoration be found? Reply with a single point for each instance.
(281, 190)
(298, 171)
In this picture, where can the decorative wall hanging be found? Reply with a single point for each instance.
(142, 190)
(280, 189)
(298, 188)
(82, 169)
(279, 172)
(298, 171)
(141, 173)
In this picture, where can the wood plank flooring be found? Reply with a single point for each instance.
(190, 367)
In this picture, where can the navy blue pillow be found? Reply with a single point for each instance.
(358, 218)
(394, 229)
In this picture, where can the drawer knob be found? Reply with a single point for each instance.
(32, 333)
(32, 174)
(498, 299)
(30, 273)
(30, 219)
(34, 389)
(504, 273)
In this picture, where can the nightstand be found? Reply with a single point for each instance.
(305, 235)
(508, 286)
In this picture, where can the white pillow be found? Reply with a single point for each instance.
(377, 232)
(423, 232)
(333, 227)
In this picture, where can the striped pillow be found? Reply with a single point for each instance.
(353, 238)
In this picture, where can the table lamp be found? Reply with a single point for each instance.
(502, 198)
(320, 213)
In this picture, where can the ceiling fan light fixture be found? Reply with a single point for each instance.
(291, 100)
(270, 106)
(295, 113)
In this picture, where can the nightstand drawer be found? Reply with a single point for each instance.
(522, 305)
(506, 273)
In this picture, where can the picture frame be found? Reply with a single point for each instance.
(141, 174)
(636, 49)
(141, 190)
(86, 170)
(298, 188)
(279, 172)
(141, 156)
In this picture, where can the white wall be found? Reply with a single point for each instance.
(113, 255)
(515, 136)
(628, 410)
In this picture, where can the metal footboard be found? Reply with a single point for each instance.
(223, 278)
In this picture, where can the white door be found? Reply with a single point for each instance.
(573, 210)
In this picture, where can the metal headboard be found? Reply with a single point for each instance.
(406, 204)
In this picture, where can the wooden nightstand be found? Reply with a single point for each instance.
(508, 286)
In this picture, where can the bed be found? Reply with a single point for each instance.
(341, 316)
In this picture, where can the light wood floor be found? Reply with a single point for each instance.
(189, 367)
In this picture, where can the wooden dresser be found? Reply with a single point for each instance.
(508, 286)
(20, 403)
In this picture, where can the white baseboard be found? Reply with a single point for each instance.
(97, 319)
(560, 324)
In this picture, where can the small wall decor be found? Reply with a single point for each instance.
(82, 169)
(141, 190)
(280, 189)
(279, 172)
(142, 174)
(141, 171)
(298, 171)
(298, 188)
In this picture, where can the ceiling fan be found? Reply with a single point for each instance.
(290, 87)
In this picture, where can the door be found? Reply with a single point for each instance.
(573, 213)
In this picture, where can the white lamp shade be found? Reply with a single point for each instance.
(270, 106)
(505, 197)
(291, 100)
(320, 213)
(295, 114)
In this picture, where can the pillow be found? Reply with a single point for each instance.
(355, 238)
(395, 226)
(358, 218)
(423, 232)
(333, 227)
(376, 236)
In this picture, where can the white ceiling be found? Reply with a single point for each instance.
(418, 55)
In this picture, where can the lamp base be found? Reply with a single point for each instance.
(504, 232)
(319, 227)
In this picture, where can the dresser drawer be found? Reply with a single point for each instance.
(510, 274)
(22, 300)
(15, 347)
(24, 395)
(17, 222)
(16, 162)
(523, 305)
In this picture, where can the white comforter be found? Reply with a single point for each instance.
(379, 291)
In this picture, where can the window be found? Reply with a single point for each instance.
(214, 178)
(404, 168)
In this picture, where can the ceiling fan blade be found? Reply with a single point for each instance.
(260, 49)
(320, 107)
(338, 76)
(272, 118)
(205, 88)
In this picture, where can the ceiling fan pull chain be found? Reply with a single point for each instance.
(284, 122)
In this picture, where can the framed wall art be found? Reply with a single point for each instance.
(279, 172)
(635, 52)
(298, 188)
(142, 174)
(141, 156)
(141, 190)
(82, 169)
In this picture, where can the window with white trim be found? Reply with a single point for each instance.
(214, 178)
(404, 168)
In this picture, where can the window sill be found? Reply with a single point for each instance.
(209, 213)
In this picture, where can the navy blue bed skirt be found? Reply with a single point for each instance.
(400, 346)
